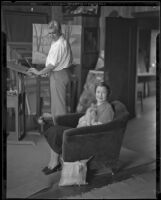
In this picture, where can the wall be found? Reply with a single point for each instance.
(153, 48)
(32, 8)
(122, 11)
(57, 13)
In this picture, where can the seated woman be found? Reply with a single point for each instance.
(99, 113)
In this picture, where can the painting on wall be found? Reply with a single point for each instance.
(91, 38)
(92, 9)
(41, 42)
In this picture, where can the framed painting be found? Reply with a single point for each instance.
(92, 9)
(90, 38)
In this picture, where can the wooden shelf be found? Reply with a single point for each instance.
(81, 14)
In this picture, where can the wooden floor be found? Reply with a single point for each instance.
(141, 131)
(140, 136)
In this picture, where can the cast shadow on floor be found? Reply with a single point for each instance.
(94, 181)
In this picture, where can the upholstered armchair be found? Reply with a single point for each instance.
(103, 142)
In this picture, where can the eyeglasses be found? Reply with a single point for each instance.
(51, 33)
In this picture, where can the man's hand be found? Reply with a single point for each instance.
(33, 71)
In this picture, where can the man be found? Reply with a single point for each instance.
(58, 61)
(57, 65)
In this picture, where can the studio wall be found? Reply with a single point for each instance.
(119, 11)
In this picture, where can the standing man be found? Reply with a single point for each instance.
(57, 65)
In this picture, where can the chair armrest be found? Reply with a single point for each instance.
(69, 120)
(98, 140)
(95, 129)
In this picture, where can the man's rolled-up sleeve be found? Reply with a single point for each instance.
(54, 57)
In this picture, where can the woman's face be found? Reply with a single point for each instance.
(101, 94)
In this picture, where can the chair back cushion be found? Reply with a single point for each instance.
(119, 109)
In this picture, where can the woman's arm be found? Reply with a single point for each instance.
(96, 123)
(107, 115)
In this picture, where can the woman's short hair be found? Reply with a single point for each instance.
(103, 84)
(56, 26)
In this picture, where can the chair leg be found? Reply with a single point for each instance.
(141, 98)
(114, 171)
(114, 167)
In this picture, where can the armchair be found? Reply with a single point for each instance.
(103, 142)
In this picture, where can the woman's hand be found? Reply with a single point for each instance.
(96, 123)
(33, 71)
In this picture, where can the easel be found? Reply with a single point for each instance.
(17, 101)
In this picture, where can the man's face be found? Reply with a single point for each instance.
(52, 34)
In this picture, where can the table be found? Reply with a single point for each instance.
(146, 78)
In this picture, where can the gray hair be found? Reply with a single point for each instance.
(55, 26)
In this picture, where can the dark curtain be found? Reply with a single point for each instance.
(18, 25)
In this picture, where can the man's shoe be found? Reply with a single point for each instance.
(45, 169)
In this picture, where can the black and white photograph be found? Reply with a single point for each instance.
(87, 125)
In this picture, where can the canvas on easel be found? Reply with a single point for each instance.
(41, 42)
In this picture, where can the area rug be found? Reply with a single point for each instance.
(25, 162)
(138, 187)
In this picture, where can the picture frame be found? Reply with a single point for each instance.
(92, 9)
(91, 38)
